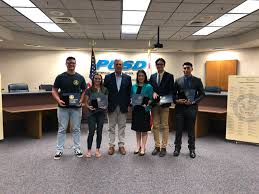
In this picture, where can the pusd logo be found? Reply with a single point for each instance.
(127, 65)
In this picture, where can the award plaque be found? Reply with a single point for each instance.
(166, 99)
(102, 101)
(71, 99)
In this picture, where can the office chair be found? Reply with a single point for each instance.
(18, 87)
(46, 87)
(214, 89)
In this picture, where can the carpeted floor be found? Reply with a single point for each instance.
(27, 166)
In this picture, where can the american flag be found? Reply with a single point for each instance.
(93, 66)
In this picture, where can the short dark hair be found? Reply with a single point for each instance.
(160, 59)
(142, 71)
(188, 64)
(70, 58)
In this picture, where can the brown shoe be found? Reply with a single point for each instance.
(111, 150)
(122, 150)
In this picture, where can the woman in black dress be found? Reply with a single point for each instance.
(141, 112)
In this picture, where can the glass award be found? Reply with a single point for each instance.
(190, 94)
(102, 101)
(137, 99)
(166, 99)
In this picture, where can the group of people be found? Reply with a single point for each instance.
(70, 90)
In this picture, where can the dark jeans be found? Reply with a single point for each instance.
(185, 119)
(95, 121)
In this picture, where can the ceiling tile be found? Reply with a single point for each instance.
(2, 19)
(82, 13)
(95, 35)
(169, 29)
(128, 36)
(77, 4)
(145, 37)
(153, 22)
(148, 28)
(111, 36)
(8, 11)
(141, 32)
(191, 8)
(240, 24)
(172, 22)
(15, 28)
(218, 8)
(250, 18)
(167, 7)
(48, 3)
(198, 1)
(190, 29)
(194, 38)
(2, 4)
(167, 1)
(111, 31)
(77, 35)
(180, 35)
(61, 35)
(108, 14)
(86, 21)
(27, 24)
(7, 24)
(254, 25)
(18, 18)
(207, 17)
(157, 15)
(229, 1)
(107, 5)
(183, 16)
(109, 21)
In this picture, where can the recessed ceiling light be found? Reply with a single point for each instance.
(19, 3)
(50, 27)
(136, 5)
(226, 19)
(130, 29)
(132, 17)
(206, 30)
(248, 6)
(56, 13)
(34, 14)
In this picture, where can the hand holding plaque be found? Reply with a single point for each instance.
(190, 95)
(102, 101)
(137, 99)
(71, 99)
(166, 99)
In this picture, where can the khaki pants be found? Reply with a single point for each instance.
(160, 118)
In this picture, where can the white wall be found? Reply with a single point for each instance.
(37, 67)
(248, 60)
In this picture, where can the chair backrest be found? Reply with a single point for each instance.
(18, 87)
(214, 89)
(46, 87)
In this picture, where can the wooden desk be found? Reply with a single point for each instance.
(212, 106)
(30, 107)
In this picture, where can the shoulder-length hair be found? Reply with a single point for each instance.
(101, 84)
(142, 71)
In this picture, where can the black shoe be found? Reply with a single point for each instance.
(162, 152)
(192, 154)
(176, 152)
(58, 155)
(156, 151)
(137, 151)
(78, 153)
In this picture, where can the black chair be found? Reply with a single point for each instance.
(18, 87)
(46, 87)
(214, 89)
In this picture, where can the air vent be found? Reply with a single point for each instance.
(197, 23)
(64, 20)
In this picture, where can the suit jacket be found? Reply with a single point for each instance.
(196, 84)
(119, 98)
(166, 85)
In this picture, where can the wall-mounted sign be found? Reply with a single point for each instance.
(127, 65)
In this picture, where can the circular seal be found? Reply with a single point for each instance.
(246, 107)
(75, 82)
(71, 97)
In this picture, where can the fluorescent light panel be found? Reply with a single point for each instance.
(19, 3)
(34, 14)
(136, 5)
(133, 17)
(206, 30)
(130, 29)
(50, 27)
(248, 6)
(226, 19)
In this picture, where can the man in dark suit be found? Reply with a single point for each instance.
(187, 94)
(119, 88)
(163, 84)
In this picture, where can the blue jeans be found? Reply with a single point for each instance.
(64, 115)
